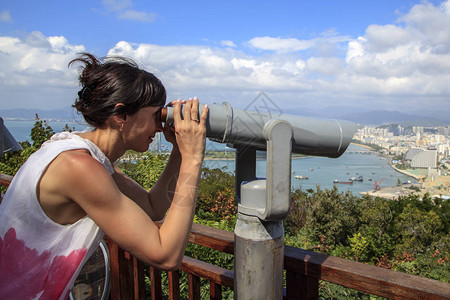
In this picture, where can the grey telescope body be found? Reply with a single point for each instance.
(7, 141)
(311, 136)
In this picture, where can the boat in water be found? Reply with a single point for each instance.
(359, 178)
(300, 177)
(342, 182)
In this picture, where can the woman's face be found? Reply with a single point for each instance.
(141, 127)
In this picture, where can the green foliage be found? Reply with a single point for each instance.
(40, 132)
(10, 163)
(300, 205)
(67, 128)
(215, 197)
(358, 243)
(333, 215)
(146, 169)
(399, 234)
(414, 188)
(418, 229)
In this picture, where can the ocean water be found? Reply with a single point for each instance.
(21, 129)
(321, 171)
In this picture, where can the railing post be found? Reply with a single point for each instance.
(301, 287)
(215, 291)
(139, 279)
(114, 268)
(194, 287)
(174, 285)
(155, 282)
(126, 274)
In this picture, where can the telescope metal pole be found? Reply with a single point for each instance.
(259, 251)
(259, 232)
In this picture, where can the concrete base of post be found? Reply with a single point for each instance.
(259, 252)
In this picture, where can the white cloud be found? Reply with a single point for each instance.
(5, 16)
(411, 57)
(202, 67)
(324, 45)
(324, 65)
(36, 39)
(391, 66)
(228, 44)
(139, 16)
(124, 10)
(117, 5)
(280, 44)
(34, 72)
(387, 36)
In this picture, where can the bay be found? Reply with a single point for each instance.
(321, 171)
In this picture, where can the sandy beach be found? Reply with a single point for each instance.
(439, 187)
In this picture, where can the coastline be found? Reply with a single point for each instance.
(363, 145)
(405, 172)
(418, 177)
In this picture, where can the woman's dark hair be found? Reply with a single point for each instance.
(115, 80)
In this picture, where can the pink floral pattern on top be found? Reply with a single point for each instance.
(20, 266)
(39, 259)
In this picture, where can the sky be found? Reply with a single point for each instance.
(303, 56)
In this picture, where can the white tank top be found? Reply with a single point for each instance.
(40, 259)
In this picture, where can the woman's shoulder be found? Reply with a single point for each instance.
(74, 171)
(77, 160)
(75, 163)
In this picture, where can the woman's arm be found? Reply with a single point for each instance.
(156, 201)
(87, 183)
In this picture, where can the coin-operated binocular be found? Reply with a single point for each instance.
(264, 203)
(311, 136)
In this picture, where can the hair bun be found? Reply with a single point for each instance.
(85, 96)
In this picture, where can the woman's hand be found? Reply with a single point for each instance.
(169, 129)
(190, 132)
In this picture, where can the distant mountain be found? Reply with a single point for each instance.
(357, 115)
(393, 117)
(381, 117)
(67, 113)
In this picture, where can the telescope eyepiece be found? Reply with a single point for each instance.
(163, 114)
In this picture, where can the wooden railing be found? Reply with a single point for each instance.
(303, 268)
(5, 180)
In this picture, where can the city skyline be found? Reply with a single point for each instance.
(310, 56)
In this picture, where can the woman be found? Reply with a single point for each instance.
(69, 193)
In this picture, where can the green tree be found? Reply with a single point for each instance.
(332, 214)
(418, 230)
(40, 132)
(300, 205)
(215, 194)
